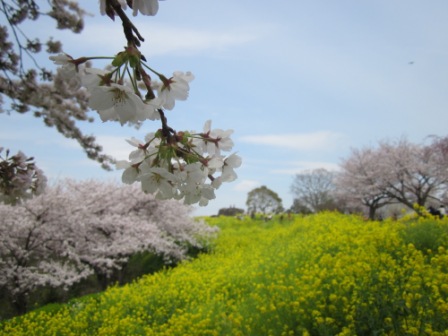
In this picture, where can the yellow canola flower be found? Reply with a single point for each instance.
(327, 274)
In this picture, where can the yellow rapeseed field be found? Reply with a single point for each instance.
(326, 274)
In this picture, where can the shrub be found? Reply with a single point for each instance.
(426, 234)
(232, 211)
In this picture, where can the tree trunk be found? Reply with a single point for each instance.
(103, 280)
(372, 212)
(20, 303)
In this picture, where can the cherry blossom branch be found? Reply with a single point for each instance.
(128, 27)
(166, 130)
(21, 47)
(184, 165)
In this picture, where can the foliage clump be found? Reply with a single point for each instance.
(263, 200)
(427, 235)
(231, 211)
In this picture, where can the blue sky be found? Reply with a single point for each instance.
(299, 82)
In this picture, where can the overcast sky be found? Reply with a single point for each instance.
(299, 82)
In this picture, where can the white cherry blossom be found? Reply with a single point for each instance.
(192, 187)
(194, 174)
(224, 142)
(213, 141)
(201, 194)
(151, 137)
(151, 108)
(175, 88)
(140, 153)
(215, 162)
(230, 163)
(217, 182)
(145, 7)
(118, 102)
(130, 173)
(92, 78)
(103, 5)
(144, 150)
(156, 180)
(61, 59)
(67, 67)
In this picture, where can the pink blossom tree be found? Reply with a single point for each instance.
(33, 236)
(440, 146)
(412, 174)
(359, 181)
(395, 172)
(76, 229)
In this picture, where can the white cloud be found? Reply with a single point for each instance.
(303, 142)
(115, 146)
(164, 39)
(301, 166)
(40, 136)
(246, 185)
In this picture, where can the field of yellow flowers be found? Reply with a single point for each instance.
(326, 274)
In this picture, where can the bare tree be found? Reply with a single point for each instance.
(315, 188)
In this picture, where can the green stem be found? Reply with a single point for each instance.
(151, 69)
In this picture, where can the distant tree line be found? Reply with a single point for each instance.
(414, 176)
(394, 174)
